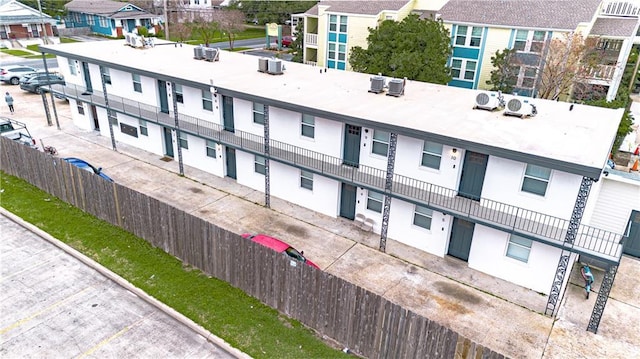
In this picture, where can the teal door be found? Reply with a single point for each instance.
(351, 155)
(472, 179)
(227, 113)
(87, 77)
(162, 94)
(632, 244)
(168, 142)
(348, 201)
(460, 241)
(230, 155)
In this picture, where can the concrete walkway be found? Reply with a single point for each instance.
(492, 312)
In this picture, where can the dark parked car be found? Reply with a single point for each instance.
(82, 164)
(279, 246)
(11, 74)
(34, 82)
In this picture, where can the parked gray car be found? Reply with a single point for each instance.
(34, 82)
(11, 74)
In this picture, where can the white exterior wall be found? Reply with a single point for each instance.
(196, 155)
(616, 199)
(409, 160)
(503, 183)
(488, 255)
(402, 229)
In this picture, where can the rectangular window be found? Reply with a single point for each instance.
(211, 149)
(137, 85)
(143, 127)
(537, 42)
(456, 66)
(332, 51)
(536, 179)
(91, 20)
(103, 21)
(72, 67)
(380, 143)
(343, 24)
(476, 37)
(306, 180)
(470, 70)
(182, 139)
(529, 41)
(519, 248)
(80, 107)
(207, 100)
(258, 113)
(333, 22)
(463, 69)
(521, 40)
(431, 154)
(106, 75)
(308, 126)
(422, 217)
(461, 35)
(259, 164)
(179, 95)
(374, 201)
(529, 78)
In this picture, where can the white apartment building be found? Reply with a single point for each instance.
(418, 161)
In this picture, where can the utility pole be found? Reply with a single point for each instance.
(44, 29)
(166, 21)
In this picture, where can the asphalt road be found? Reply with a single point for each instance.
(55, 306)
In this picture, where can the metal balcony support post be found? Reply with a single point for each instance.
(177, 124)
(267, 179)
(388, 185)
(53, 102)
(572, 232)
(111, 115)
(46, 108)
(601, 301)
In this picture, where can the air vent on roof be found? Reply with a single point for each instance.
(275, 67)
(396, 87)
(263, 64)
(520, 107)
(211, 54)
(489, 100)
(377, 84)
(198, 52)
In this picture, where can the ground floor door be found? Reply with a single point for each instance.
(230, 155)
(460, 241)
(168, 142)
(632, 244)
(94, 115)
(348, 201)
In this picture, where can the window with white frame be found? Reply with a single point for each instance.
(258, 113)
(431, 154)
(536, 179)
(91, 20)
(374, 201)
(143, 127)
(207, 100)
(529, 41)
(380, 143)
(259, 164)
(519, 248)
(106, 75)
(182, 139)
(137, 84)
(104, 22)
(468, 36)
(463, 69)
(333, 22)
(72, 67)
(80, 107)
(527, 77)
(343, 24)
(179, 94)
(308, 126)
(422, 217)
(211, 149)
(306, 180)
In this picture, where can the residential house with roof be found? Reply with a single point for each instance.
(21, 25)
(505, 195)
(110, 18)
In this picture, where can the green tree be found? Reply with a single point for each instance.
(298, 44)
(270, 11)
(413, 48)
(204, 29)
(504, 74)
(52, 8)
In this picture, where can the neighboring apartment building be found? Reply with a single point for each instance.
(21, 25)
(479, 29)
(109, 18)
(422, 166)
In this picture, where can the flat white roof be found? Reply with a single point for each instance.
(582, 136)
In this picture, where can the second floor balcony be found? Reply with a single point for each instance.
(538, 226)
(311, 39)
(602, 73)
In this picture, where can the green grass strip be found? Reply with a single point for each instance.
(13, 52)
(241, 320)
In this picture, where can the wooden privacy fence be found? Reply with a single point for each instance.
(363, 321)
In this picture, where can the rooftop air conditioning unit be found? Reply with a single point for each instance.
(263, 64)
(275, 67)
(521, 107)
(396, 88)
(211, 54)
(489, 100)
(198, 53)
(377, 84)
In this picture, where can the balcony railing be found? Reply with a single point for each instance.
(620, 8)
(602, 72)
(548, 229)
(312, 63)
(311, 39)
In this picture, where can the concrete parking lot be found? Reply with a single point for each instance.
(505, 317)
